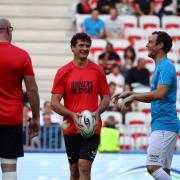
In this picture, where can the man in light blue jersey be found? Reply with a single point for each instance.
(165, 123)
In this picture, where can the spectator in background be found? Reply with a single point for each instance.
(111, 122)
(168, 7)
(178, 8)
(47, 110)
(116, 76)
(105, 5)
(124, 8)
(26, 121)
(114, 27)
(50, 134)
(129, 58)
(94, 26)
(137, 76)
(144, 7)
(112, 90)
(108, 58)
(83, 7)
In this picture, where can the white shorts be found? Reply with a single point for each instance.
(161, 148)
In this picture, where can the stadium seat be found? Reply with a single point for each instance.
(149, 31)
(142, 143)
(126, 143)
(117, 116)
(119, 44)
(174, 33)
(178, 106)
(149, 21)
(169, 22)
(178, 95)
(144, 107)
(140, 46)
(178, 144)
(173, 57)
(130, 21)
(137, 131)
(79, 21)
(134, 34)
(144, 55)
(135, 118)
(97, 45)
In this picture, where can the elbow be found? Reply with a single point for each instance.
(53, 106)
(160, 97)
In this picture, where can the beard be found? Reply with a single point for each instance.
(152, 55)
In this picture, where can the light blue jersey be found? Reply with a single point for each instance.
(164, 116)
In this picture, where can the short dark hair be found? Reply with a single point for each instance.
(165, 39)
(80, 36)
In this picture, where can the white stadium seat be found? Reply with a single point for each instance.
(149, 21)
(135, 118)
(134, 34)
(130, 21)
(169, 22)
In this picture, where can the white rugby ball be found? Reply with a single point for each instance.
(87, 124)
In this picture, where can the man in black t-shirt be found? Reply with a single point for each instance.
(144, 7)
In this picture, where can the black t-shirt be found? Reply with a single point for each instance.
(112, 57)
(137, 76)
(102, 3)
(144, 5)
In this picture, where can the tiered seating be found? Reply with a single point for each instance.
(43, 28)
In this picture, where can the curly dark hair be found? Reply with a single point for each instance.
(80, 36)
(164, 38)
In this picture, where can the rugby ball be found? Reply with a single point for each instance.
(87, 124)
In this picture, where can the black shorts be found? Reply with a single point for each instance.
(11, 141)
(78, 147)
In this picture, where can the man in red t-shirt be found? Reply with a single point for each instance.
(15, 66)
(79, 83)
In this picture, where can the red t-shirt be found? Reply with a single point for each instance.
(15, 63)
(80, 88)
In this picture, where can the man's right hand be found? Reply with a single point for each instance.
(122, 95)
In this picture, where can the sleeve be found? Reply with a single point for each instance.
(85, 23)
(128, 79)
(59, 83)
(103, 85)
(165, 75)
(102, 25)
(28, 71)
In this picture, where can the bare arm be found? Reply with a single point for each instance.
(152, 8)
(138, 10)
(33, 96)
(59, 108)
(105, 100)
(158, 94)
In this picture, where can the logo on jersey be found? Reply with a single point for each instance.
(82, 87)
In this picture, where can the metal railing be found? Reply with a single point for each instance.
(131, 138)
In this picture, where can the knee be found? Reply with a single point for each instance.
(84, 168)
(74, 172)
(8, 165)
(152, 168)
